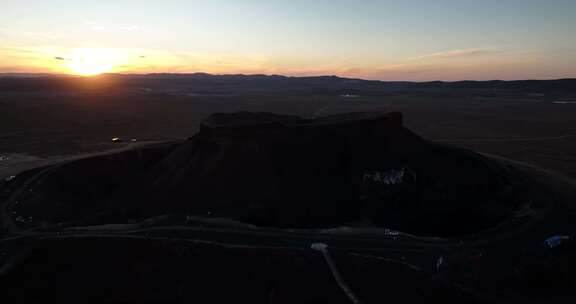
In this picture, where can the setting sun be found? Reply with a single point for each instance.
(91, 61)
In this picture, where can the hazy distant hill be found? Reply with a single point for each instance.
(203, 83)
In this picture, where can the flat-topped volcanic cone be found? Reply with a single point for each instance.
(293, 172)
(290, 170)
(274, 209)
(357, 169)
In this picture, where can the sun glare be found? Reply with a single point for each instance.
(91, 61)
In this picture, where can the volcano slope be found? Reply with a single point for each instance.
(454, 224)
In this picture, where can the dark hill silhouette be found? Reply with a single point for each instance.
(244, 205)
(203, 82)
(286, 171)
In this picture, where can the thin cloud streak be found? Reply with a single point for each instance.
(457, 54)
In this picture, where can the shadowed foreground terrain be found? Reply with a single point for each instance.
(268, 208)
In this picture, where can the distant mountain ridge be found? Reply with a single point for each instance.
(259, 82)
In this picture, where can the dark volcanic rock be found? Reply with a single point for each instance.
(291, 171)
(286, 171)
(489, 217)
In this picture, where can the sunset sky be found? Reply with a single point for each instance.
(373, 39)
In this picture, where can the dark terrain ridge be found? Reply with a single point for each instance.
(203, 83)
(286, 171)
(230, 214)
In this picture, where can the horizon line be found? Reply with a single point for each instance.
(48, 74)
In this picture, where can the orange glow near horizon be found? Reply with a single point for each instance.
(91, 61)
(475, 64)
